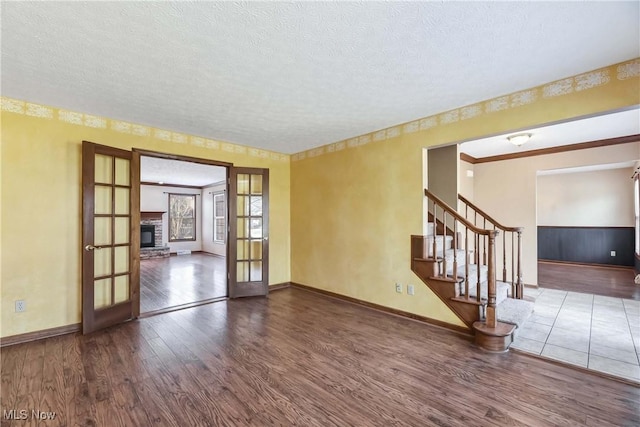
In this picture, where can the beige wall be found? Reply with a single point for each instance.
(507, 190)
(465, 182)
(601, 198)
(41, 204)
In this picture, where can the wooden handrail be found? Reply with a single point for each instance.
(439, 248)
(516, 258)
(487, 236)
(487, 216)
(457, 216)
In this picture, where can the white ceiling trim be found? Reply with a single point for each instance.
(592, 168)
(606, 126)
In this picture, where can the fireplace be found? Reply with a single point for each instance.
(147, 236)
(151, 245)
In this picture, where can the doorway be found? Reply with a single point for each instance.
(113, 238)
(183, 229)
(585, 227)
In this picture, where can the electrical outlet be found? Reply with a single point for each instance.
(399, 288)
(410, 290)
(613, 253)
(21, 306)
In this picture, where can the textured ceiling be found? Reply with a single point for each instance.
(291, 76)
(157, 170)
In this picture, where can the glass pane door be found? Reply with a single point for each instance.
(107, 236)
(249, 232)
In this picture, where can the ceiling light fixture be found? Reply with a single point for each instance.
(519, 139)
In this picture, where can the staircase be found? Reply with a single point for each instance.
(457, 260)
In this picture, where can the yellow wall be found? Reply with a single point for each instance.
(341, 215)
(356, 202)
(41, 204)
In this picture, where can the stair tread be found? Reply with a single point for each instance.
(468, 300)
(514, 311)
(502, 289)
(444, 279)
(502, 329)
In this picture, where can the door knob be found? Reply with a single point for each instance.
(92, 248)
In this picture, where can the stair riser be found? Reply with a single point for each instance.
(502, 293)
(443, 244)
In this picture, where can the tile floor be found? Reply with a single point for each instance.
(591, 331)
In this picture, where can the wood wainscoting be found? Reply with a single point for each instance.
(588, 245)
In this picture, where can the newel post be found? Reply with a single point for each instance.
(491, 320)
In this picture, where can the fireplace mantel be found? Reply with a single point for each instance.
(151, 214)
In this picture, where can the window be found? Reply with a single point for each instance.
(256, 223)
(219, 218)
(182, 217)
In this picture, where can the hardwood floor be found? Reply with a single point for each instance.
(297, 358)
(177, 280)
(612, 282)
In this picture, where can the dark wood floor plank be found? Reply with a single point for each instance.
(354, 373)
(11, 364)
(52, 394)
(175, 393)
(128, 348)
(168, 333)
(30, 386)
(299, 358)
(158, 412)
(115, 369)
(247, 359)
(79, 407)
(607, 281)
(248, 385)
(94, 367)
(223, 406)
(218, 381)
(33, 368)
